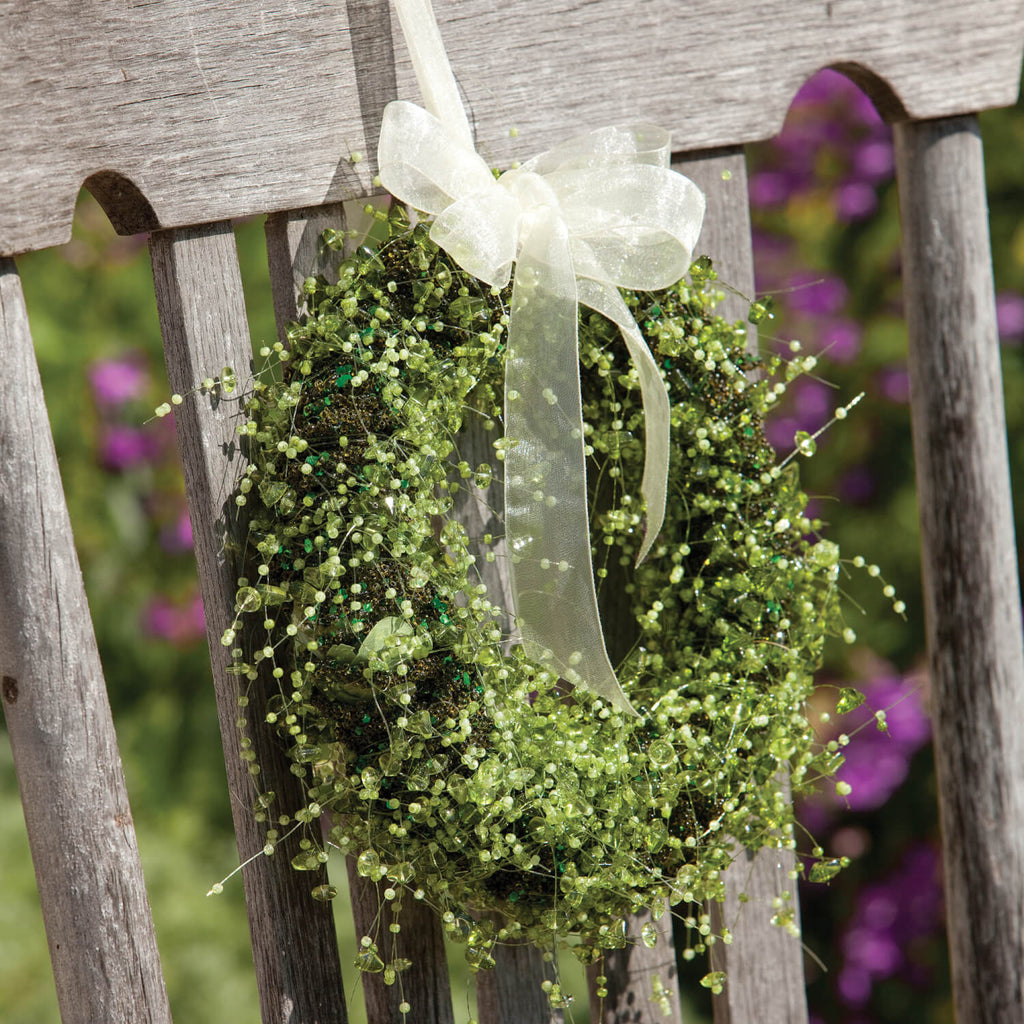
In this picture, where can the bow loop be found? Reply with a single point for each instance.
(639, 223)
(480, 231)
(617, 145)
(421, 163)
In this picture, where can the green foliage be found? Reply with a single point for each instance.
(462, 775)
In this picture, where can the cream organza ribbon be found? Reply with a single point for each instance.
(600, 212)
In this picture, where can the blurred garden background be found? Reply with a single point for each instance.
(827, 251)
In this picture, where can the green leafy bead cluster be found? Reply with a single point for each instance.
(456, 770)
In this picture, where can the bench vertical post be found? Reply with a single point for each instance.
(972, 600)
(202, 316)
(764, 965)
(98, 923)
(294, 252)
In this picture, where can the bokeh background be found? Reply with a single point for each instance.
(827, 251)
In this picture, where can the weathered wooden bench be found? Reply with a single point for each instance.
(179, 116)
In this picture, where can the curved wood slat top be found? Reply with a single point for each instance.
(218, 110)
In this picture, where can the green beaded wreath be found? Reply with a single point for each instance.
(451, 765)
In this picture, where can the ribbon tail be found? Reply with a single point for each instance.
(606, 300)
(546, 517)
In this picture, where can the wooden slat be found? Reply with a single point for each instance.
(764, 965)
(80, 829)
(294, 253)
(630, 975)
(511, 993)
(264, 103)
(202, 315)
(721, 175)
(972, 601)
(424, 986)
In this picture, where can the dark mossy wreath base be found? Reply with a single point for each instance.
(466, 776)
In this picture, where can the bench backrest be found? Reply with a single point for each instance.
(180, 115)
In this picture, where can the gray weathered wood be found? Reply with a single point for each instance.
(424, 986)
(202, 316)
(972, 601)
(764, 965)
(721, 174)
(263, 104)
(98, 923)
(511, 993)
(630, 975)
(294, 253)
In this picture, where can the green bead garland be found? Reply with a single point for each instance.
(469, 776)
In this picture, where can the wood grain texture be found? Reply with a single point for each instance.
(294, 253)
(424, 986)
(631, 974)
(97, 917)
(765, 963)
(202, 316)
(721, 174)
(972, 601)
(264, 103)
(512, 993)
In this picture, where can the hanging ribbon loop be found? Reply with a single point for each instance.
(600, 212)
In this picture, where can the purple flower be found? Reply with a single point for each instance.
(774, 188)
(866, 112)
(891, 917)
(855, 200)
(873, 160)
(902, 700)
(815, 295)
(1010, 317)
(780, 430)
(813, 402)
(877, 763)
(894, 383)
(814, 509)
(122, 448)
(177, 536)
(772, 248)
(841, 340)
(822, 88)
(869, 954)
(809, 405)
(160, 618)
(830, 88)
(856, 485)
(117, 381)
(797, 144)
(771, 256)
(180, 624)
(874, 768)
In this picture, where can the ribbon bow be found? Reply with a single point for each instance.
(597, 213)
